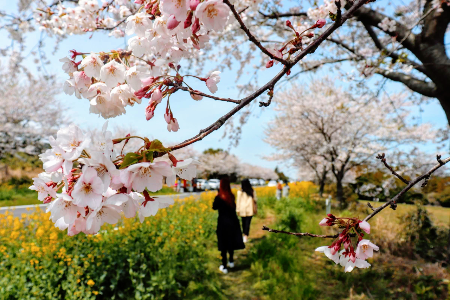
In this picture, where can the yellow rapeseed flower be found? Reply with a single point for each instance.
(90, 282)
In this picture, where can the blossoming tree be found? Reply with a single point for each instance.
(324, 127)
(86, 181)
(29, 112)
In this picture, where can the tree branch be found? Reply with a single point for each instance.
(277, 15)
(383, 160)
(393, 55)
(373, 18)
(422, 87)
(407, 188)
(209, 96)
(300, 233)
(250, 36)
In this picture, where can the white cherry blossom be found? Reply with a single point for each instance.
(365, 249)
(88, 189)
(92, 65)
(63, 207)
(112, 73)
(327, 251)
(145, 175)
(138, 24)
(42, 188)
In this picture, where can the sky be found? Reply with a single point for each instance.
(192, 115)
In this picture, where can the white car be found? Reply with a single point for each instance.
(254, 182)
(214, 184)
(202, 184)
(272, 183)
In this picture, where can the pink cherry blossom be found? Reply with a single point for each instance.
(176, 8)
(365, 226)
(173, 125)
(88, 189)
(213, 14)
(172, 22)
(212, 81)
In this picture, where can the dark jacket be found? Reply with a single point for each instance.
(229, 234)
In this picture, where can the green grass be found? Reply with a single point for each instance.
(166, 190)
(287, 267)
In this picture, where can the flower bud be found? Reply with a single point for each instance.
(324, 222)
(320, 23)
(288, 24)
(148, 81)
(149, 112)
(269, 64)
(364, 226)
(196, 26)
(193, 4)
(188, 21)
(156, 95)
(172, 23)
(196, 97)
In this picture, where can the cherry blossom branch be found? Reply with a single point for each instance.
(383, 160)
(209, 96)
(408, 187)
(300, 233)
(276, 15)
(250, 35)
(340, 19)
(391, 202)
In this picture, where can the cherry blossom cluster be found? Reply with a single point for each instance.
(163, 32)
(86, 183)
(349, 258)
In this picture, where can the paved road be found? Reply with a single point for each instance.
(28, 209)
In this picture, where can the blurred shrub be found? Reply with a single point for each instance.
(422, 238)
(444, 197)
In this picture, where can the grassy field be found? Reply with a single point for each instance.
(440, 215)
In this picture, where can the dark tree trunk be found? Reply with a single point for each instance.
(340, 192)
(322, 182)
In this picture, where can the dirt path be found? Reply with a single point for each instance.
(236, 284)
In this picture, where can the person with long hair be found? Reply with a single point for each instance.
(246, 206)
(229, 236)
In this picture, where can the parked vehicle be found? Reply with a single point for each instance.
(262, 182)
(214, 184)
(254, 182)
(272, 183)
(202, 184)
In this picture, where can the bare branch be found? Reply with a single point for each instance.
(209, 96)
(299, 234)
(266, 104)
(383, 160)
(407, 188)
(422, 87)
(250, 36)
(277, 15)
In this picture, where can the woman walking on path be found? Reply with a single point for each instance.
(246, 206)
(229, 236)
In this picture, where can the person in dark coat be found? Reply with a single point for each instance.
(229, 235)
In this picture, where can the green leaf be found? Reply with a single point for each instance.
(156, 145)
(149, 155)
(129, 159)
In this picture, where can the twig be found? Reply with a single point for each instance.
(383, 160)
(250, 35)
(407, 188)
(300, 233)
(266, 104)
(209, 96)
(370, 205)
